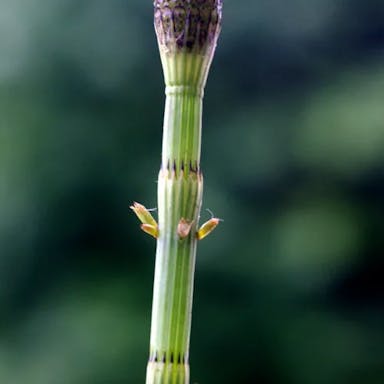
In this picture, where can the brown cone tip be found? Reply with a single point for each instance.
(192, 25)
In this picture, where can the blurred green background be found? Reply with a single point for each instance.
(289, 289)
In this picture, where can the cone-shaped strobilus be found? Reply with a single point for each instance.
(187, 33)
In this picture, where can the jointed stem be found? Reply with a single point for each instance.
(187, 32)
(179, 197)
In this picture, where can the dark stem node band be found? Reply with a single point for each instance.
(190, 25)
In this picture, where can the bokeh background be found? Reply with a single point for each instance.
(289, 289)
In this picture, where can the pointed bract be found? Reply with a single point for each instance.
(143, 214)
(207, 228)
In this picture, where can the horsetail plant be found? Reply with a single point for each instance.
(187, 33)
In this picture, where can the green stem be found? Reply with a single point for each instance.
(187, 33)
(180, 188)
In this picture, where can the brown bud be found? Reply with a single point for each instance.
(184, 228)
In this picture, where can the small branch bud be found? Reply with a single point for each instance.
(207, 228)
(149, 224)
(143, 214)
(150, 230)
(183, 228)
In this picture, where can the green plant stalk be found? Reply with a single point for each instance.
(180, 188)
(187, 32)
